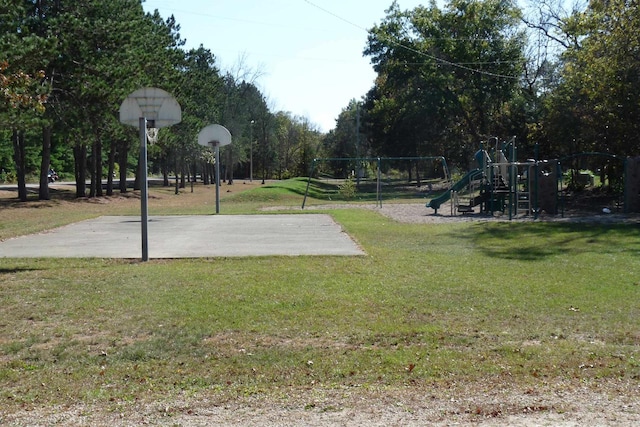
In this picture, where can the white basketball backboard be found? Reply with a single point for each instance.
(213, 135)
(156, 105)
(154, 108)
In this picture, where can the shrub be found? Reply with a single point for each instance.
(347, 189)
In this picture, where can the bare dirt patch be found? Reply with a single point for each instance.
(568, 404)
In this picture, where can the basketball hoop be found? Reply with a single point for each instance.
(148, 109)
(215, 136)
(152, 135)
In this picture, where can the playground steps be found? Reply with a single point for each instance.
(524, 203)
(465, 209)
(499, 184)
(474, 201)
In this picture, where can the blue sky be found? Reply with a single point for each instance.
(308, 53)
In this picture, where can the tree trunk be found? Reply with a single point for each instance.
(180, 163)
(165, 177)
(229, 169)
(80, 157)
(98, 168)
(177, 182)
(19, 159)
(164, 166)
(45, 164)
(205, 173)
(264, 161)
(112, 164)
(92, 170)
(137, 183)
(123, 163)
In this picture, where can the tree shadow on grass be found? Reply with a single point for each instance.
(537, 241)
(17, 270)
(55, 197)
(58, 196)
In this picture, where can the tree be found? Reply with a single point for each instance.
(200, 96)
(244, 107)
(444, 76)
(22, 80)
(551, 109)
(85, 57)
(100, 60)
(606, 69)
(592, 103)
(297, 145)
(165, 68)
(89, 67)
(265, 138)
(347, 139)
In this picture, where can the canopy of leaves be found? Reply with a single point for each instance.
(23, 58)
(445, 76)
(601, 78)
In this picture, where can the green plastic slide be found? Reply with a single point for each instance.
(464, 181)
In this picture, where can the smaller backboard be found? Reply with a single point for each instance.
(213, 135)
(156, 105)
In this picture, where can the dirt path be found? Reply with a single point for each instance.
(597, 404)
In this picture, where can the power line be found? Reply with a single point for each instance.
(452, 64)
(421, 53)
(335, 15)
(498, 62)
(460, 65)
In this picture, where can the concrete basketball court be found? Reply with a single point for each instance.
(194, 236)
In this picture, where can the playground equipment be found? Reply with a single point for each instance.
(500, 183)
(497, 184)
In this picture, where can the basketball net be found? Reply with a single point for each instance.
(152, 135)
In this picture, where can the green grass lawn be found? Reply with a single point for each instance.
(520, 303)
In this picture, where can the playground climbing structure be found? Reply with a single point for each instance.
(502, 184)
(498, 184)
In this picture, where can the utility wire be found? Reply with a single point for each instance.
(335, 15)
(460, 65)
(416, 51)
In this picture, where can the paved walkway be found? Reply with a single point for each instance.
(195, 236)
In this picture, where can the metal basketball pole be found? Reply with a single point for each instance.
(144, 198)
(217, 178)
